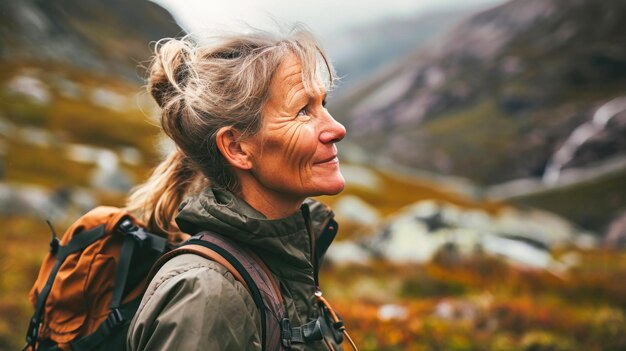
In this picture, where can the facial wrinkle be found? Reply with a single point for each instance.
(293, 93)
(294, 80)
(307, 165)
(278, 120)
(305, 170)
(292, 143)
(295, 75)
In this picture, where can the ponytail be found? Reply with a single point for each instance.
(200, 89)
(156, 201)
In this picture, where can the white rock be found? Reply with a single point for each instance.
(542, 226)
(37, 136)
(421, 209)
(517, 251)
(444, 310)
(108, 176)
(107, 161)
(360, 177)
(130, 155)
(476, 219)
(343, 252)
(83, 153)
(353, 209)
(410, 241)
(109, 99)
(391, 311)
(524, 238)
(31, 87)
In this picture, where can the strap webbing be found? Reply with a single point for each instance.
(134, 236)
(78, 242)
(123, 266)
(117, 317)
(254, 290)
(81, 241)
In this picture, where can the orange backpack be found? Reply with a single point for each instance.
(92, 281)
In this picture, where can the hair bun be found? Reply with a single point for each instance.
(169, 70)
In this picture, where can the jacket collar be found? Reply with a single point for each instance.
(288, 238)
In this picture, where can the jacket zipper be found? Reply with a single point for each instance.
(314, 257)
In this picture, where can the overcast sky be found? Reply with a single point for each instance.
(324, 17)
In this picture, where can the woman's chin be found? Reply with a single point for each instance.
(332, 186)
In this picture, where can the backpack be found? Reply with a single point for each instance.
(91, 282)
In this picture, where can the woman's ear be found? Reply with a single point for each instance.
(229, 143)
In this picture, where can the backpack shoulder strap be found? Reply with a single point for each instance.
(249, 270)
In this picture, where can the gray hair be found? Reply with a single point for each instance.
(204, 87)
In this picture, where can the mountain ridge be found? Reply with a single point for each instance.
(86, 34)
(499, 96)
(533, 91)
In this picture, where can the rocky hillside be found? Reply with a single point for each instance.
(102, 36)
(529, 93)
(361, 50)
(74, 118)
(514, 80)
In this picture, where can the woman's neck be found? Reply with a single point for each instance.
(270, 204)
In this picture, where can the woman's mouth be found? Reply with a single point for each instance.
(330, 160)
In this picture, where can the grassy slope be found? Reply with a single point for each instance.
(482, 305)
(591, 204)
(72, 121)
(396, 192)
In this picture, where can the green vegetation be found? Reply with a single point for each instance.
(487, 135)
(67, 120)
(396, 192)
(24, 245)
(591, 204)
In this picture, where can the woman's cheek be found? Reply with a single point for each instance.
(300, 145)
(307, 145)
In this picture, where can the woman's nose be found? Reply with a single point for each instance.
(333, 131)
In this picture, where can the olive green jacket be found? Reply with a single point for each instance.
(195, 304)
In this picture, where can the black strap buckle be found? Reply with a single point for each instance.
(127, 226)
(54, 242)
(311, 331)
(114, 319)
(285, 332)
(33, 331)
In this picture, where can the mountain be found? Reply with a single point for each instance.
(73, 113)
(530, 89)
(109, 37)
(513, 80)
(358, 51)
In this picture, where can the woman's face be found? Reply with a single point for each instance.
(294, 154)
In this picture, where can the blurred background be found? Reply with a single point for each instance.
(485, 206)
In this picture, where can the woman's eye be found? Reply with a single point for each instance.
(302, 112)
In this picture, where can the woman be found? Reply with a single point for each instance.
(253, 142)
